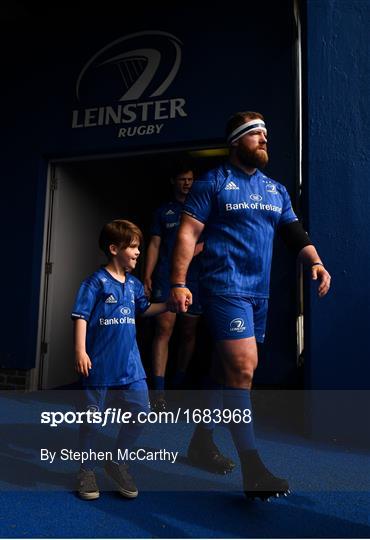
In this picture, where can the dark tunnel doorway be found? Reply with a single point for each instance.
(82, 196)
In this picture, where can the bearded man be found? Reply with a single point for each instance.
(238, 209)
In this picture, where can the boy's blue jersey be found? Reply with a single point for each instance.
(241, 214)
(110, 307)
(165, 224)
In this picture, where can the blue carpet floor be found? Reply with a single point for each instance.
(184, 515)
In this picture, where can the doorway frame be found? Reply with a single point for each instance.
(37, 374)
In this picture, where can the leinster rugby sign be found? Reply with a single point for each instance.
(122, 85)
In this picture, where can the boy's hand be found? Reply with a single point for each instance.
(148, 287)
(83, 363)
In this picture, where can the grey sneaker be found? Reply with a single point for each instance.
(87, 487)
(118, 472)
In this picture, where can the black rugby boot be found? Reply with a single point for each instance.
(203, 453)
(258, 481)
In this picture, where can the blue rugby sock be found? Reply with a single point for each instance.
(88, 438)
(178, 379)
(136, 401)
(242, 432)
(127, 437)
(212, 398)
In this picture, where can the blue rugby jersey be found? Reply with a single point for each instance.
(110, 307)
(165, 224)
(241, 214)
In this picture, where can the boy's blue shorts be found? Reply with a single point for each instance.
(133, 397)
(235, 317)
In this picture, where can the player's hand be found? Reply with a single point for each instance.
(180, 299)
(83, 363)
(148, 287)
(319, 273)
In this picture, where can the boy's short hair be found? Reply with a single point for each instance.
(119, 232)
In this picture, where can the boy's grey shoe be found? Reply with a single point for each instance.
(118, 472)
(87, 487)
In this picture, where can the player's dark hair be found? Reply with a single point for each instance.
(181, 165)
(119, 232)
(239, 118)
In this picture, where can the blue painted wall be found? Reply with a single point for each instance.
(337, 159)
(338, 188)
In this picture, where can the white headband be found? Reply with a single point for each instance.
(257, 123)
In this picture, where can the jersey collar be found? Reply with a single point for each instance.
(239, 172)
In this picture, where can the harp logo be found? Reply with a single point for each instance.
(134, 67)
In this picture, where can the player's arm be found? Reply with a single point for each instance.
(298, 241)
(152, 255)
(82, 359)
(187, 236)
